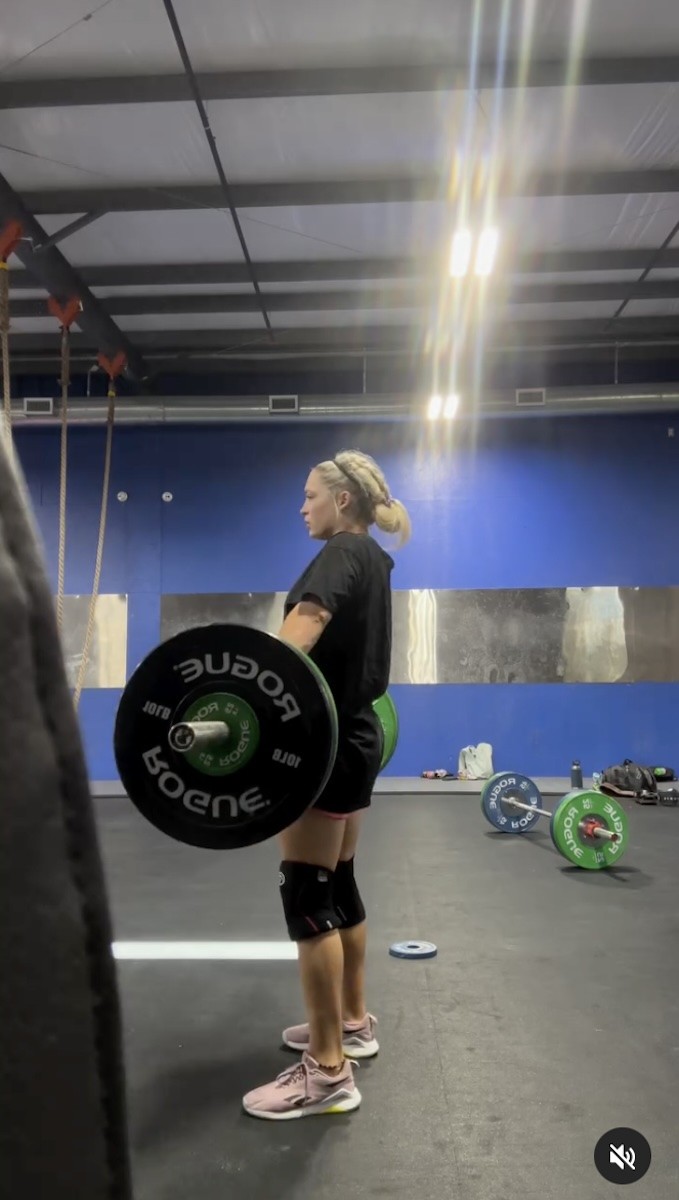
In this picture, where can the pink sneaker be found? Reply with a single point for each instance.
(358, 1037)
(304, 1090)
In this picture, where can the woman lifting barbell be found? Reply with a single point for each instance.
(339, 613)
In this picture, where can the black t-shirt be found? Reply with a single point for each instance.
(351, 578)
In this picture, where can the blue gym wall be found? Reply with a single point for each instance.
(517, 503)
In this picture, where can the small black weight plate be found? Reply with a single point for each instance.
(413, 950)
(500, 788)
(297, 736)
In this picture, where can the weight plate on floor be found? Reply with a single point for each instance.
(385, 710)
(571, 825)
(265, 776)
(413, 950)
(504, 786)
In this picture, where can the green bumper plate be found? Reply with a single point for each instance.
(572, 824)
(385, 710)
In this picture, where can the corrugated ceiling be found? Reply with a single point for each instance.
(606, 152)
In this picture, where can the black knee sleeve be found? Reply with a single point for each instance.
(346, 896)
(306, 893)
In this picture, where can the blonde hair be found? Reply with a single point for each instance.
(358, 474)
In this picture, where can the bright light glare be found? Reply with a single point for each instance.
(442, 407)
(460, 253)
(486, 251)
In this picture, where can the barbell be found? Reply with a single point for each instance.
(225, 735)
(587, 827)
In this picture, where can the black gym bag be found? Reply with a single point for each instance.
(631, 779)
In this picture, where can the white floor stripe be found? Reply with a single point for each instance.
(206, 951)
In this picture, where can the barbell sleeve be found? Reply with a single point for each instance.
(198, 735)
(599, 831)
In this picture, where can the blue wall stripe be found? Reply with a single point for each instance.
(524, 503)
(537, 729)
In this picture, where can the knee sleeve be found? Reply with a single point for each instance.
(306, 893)
(346, 896)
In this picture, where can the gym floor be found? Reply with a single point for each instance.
(550, 1015)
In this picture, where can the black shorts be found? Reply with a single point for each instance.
(359, 754)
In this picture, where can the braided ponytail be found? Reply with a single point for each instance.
(359, 474)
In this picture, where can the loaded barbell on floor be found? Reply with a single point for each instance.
(587, 828)
(225, 735)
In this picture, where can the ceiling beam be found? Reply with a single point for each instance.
(311, 270)
(331, 81)
(52, 271)
(327, 361)
(341, 191)
(402, 339)
(323, 270)
(414, 295)
(67, 231)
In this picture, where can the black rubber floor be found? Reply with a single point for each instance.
(550, 1015)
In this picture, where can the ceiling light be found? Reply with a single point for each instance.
(486, 251)
(435, 408)
(460, 253)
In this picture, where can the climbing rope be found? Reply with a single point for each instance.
(10, 236)
(66, 315)
(113, 368)
(4, 339)
(63, 469)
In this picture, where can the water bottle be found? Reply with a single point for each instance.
(596, 779)
(576, 774)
